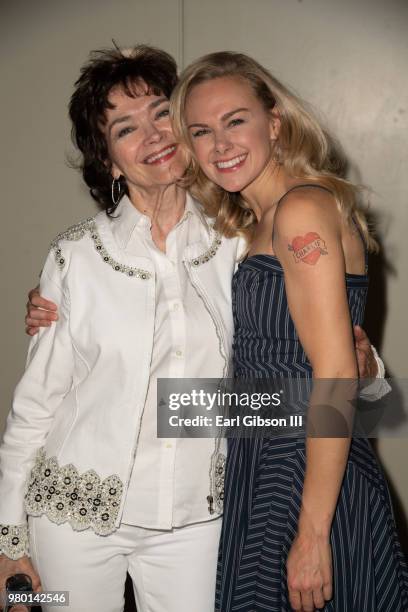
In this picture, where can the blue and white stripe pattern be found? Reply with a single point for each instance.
(264, 476)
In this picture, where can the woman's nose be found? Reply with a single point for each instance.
(152, 135)
(222, 144)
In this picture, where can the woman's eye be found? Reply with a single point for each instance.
(235, 122)
(124, 131)
(199, 133)
(164, 113)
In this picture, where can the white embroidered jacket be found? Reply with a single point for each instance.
(71, 435)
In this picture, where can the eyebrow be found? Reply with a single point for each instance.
(157, 103)
(223, 118)
(125, 118)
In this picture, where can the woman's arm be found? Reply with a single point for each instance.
(42, 313)
(46, 380)
(307, 241)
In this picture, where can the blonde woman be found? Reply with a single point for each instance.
(307, 524)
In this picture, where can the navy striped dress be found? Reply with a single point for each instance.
(264, 476)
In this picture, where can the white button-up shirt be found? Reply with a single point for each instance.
(169, 480)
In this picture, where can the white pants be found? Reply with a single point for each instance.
(172, 571)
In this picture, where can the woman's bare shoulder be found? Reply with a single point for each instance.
(304, 206)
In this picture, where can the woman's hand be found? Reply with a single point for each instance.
(8, 568)
(40, 312)
(309, 571)
(367, 365)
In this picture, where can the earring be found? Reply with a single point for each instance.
(116, 191)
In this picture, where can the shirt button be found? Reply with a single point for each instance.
(179, 353)
(168, 445)
(176, 306)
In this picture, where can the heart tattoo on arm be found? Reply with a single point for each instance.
(308, 248)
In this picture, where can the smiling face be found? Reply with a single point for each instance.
(140, 141)
(231, 133)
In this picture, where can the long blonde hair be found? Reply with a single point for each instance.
(304, 148)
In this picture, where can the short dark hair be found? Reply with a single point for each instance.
(105, 70)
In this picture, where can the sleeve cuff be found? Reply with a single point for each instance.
(379, 387)
(380, 363)
(14, 541)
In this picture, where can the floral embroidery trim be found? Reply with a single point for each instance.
(78, 231)
(63, 495)
(219, 482)
(210, 253)
(14, 541)
(75, 232)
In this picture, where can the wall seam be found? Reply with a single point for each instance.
(180, 51)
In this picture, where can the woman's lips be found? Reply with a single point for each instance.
(161, 156)
(231, 165)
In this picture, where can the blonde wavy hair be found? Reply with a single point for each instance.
(304, 148)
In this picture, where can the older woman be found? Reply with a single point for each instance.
(142, 292)
(170, 317)
(308, 522)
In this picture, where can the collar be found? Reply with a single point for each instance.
(194, 208)
(127, 217)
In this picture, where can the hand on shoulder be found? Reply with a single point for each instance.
(40, 312)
